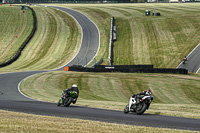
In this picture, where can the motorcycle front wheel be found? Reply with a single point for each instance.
(126, 109)
(58, 104)
(68, 101)
(142, 108)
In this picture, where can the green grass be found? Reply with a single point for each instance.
(162, 41)
(173, 94)
(13, 23)
(13, 122)
(54, 44)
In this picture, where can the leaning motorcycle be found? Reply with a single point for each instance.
(184, 60)
(67, 99)
(139, 107)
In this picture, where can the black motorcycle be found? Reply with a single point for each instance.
(139, 107)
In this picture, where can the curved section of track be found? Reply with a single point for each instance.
(90, 38)
(11, 99)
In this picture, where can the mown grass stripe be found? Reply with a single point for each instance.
(52, 30)
(16, 35)
(11, 23)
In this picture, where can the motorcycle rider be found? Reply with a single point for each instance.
(140, 95)
(68, 91)
(184, 59)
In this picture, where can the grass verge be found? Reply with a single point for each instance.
(13, 122)
(112, 90)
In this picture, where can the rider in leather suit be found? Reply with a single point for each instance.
(67, 91)
(140, 95)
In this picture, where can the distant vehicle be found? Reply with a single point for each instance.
(176, 1)
(141, 106)
(184, 59)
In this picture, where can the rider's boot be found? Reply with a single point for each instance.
(75, 99)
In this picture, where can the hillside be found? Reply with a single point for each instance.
(15, 27)
(56, 41)
(159, 40)
(162, 41)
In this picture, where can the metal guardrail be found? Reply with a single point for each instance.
(113, 37)
(65, 1)
(98, 63)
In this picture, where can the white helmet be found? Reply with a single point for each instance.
(74, 85)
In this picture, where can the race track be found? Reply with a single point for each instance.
(11, 99)
(90, 38)
(193, 61)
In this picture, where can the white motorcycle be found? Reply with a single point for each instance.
(139, 106)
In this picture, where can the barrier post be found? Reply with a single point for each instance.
(66, 68)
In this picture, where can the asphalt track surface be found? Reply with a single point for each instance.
(90, 38)
(11, 99)
(193, 61)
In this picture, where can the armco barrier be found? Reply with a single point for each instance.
(98, 63)
(87, 1)
(129, 70)
(16, 56)
(111, 45)
(114, 33)
(113, 37)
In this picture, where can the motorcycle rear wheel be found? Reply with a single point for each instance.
(68, 101)
(142, 109)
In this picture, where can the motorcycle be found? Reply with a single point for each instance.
(139, 107)
(67, 99)
(184, 60)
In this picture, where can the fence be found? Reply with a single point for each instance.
(129, 69)
(89, 1)
(98, 63)
(113, 37)
(66, 1)
(123, 66)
